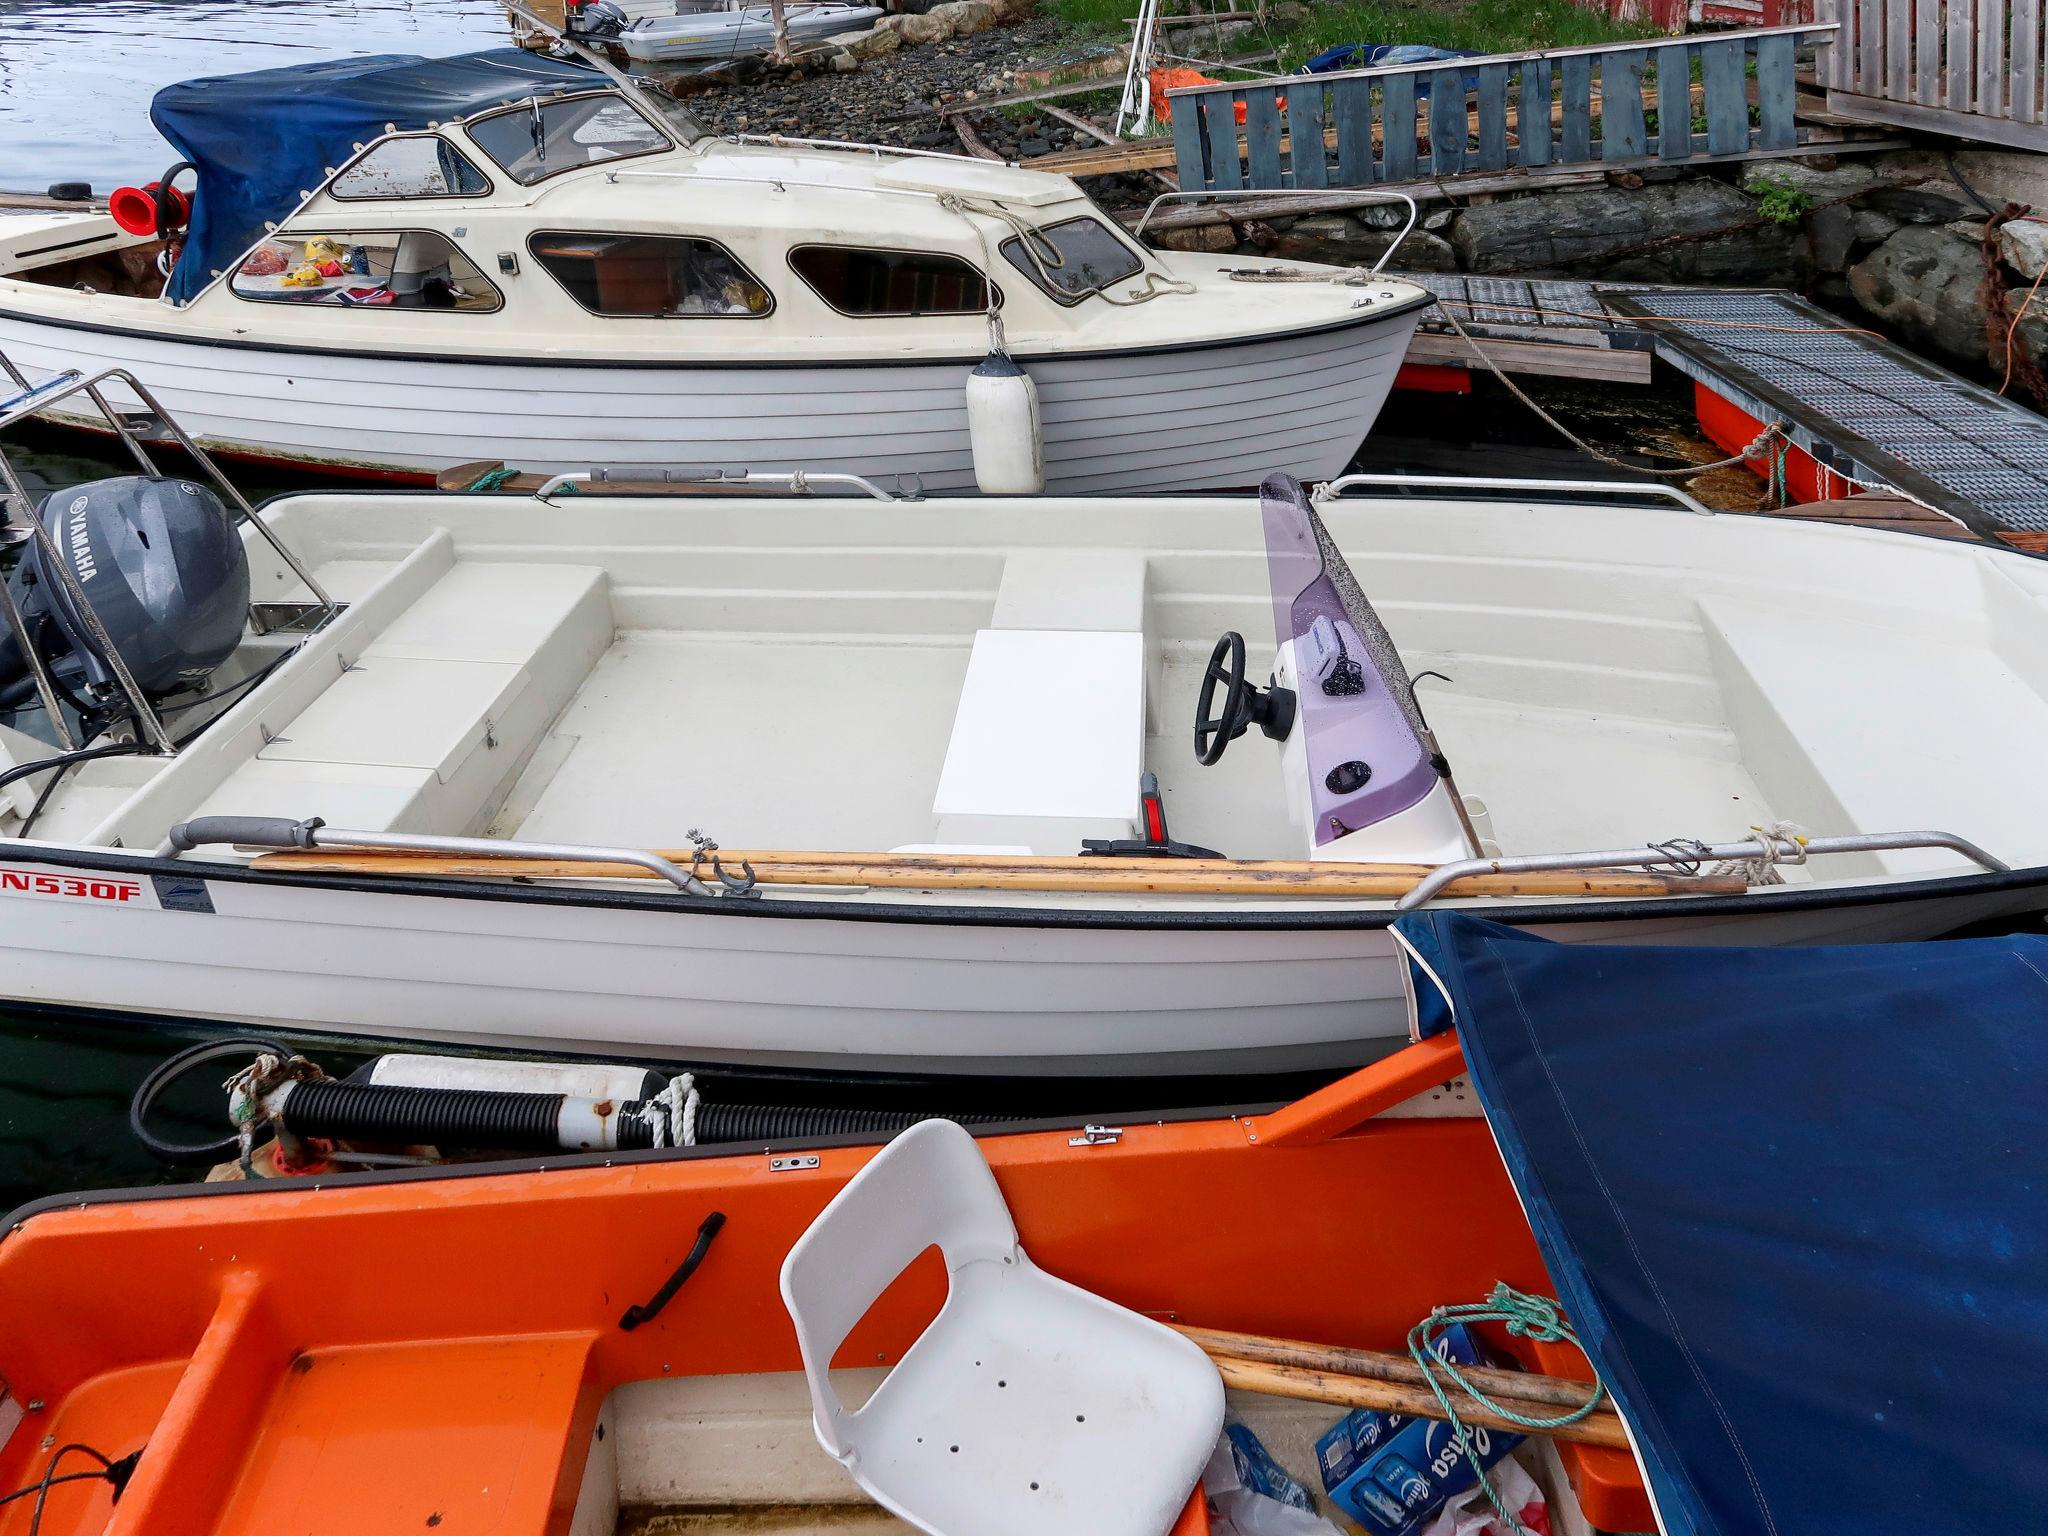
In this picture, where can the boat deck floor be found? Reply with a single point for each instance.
(837, 743)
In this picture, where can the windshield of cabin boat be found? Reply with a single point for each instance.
(1364, 734)
(539, 139)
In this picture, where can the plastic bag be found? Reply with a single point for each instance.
(1469, 1514)
(1251, 1494)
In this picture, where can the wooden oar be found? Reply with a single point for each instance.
(1601, 1427)
(1383, 1365)
(1376, 1378)
(927, 871)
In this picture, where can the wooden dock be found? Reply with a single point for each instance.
(1859, 405)
(1555, 329)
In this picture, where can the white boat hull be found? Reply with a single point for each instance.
(728, 34)
(860, 988)
(1162, 419)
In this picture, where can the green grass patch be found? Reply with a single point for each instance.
(1109, 17)
(1489, 26)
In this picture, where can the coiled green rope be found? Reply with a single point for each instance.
(492, 479)
(1526, 1317)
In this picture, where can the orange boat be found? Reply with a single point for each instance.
(518, 1353)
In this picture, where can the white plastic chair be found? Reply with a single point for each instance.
(1028, 1405)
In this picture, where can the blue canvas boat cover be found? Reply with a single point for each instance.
(1796, 1203)
(260, 141)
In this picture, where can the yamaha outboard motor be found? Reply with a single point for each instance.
(597, 19)
(163, 567)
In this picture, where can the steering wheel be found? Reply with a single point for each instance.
(1213, 732)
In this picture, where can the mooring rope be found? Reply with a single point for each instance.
(672, 1113)
(1758, 445)
(1526, 1317)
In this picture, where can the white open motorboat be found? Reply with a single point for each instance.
(725, 29)
(546, 266)
(468, 718)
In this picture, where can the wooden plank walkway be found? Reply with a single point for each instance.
(1555, 329)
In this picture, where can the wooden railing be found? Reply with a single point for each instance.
(1972, 68)
(1713, 97)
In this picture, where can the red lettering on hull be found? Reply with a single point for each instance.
(36, 882)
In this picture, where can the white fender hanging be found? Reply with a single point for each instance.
(1003, 428)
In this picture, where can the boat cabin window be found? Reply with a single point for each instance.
(383, 269)
(424, 165)
(1073, 258)
(891, 282)
(544, 138)
(650, 275)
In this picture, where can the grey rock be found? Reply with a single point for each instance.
(1831, 236)
(2023, 244)
(1381, 215)
(1845, 180)
(1924, 284)
(1872, 226)
(1438, 218)
(1201, 237)
(1933, 202)
(1289, 14)
(1420, 252)
(1607, 229)
(1971, 230)
(1323, 226)
(964, 18)
(926, 28)
(867, 45)
(844, 63)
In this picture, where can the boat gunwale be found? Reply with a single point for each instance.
(13, 1222)
(672, 364)
(1514, 911)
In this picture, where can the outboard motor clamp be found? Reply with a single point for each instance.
(161, 563)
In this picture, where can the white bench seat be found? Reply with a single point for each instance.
(1868, 729)
(437, 713)
(1048, 741)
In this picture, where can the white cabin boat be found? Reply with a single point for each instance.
(564, 272)
(912, 711)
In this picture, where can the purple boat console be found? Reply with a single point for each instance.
(1368, 748)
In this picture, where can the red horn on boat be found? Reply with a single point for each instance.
(156, 208)
(134, 209)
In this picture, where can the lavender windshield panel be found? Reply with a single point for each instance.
(1362, 732)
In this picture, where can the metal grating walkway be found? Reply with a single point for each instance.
(1858, 403)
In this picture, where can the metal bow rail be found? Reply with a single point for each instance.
(798, 482)
(1687, 856)
(34, 400)
(1539, 490)
(283, 833)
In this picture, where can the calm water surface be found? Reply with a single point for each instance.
(76, 76)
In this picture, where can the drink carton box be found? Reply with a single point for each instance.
(1390, 1472)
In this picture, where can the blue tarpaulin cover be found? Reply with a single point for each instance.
(260, 141)
(1365, 55)
(1796, 1203)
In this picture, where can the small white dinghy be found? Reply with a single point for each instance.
(730, 29)
(470, 718)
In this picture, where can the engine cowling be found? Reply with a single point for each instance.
(161, 562)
